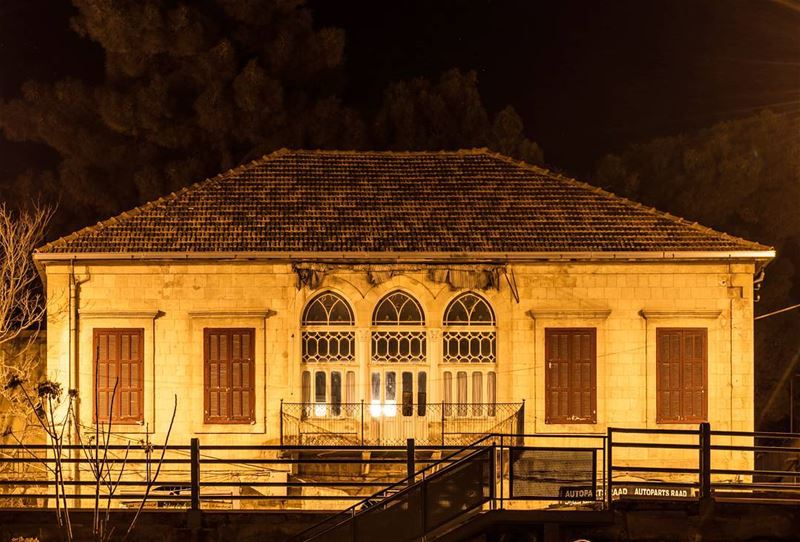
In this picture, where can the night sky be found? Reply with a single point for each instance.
(587, 77)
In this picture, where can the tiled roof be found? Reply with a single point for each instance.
(351, 201)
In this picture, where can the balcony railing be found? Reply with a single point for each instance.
(390, 424)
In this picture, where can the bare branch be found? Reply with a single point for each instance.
(21, 305)
(150, 483)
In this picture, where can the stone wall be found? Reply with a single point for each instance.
(625, 301)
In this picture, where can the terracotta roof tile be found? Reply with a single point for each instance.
(350, 201)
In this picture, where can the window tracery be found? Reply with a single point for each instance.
(399, 335)
(469, 335)
(324, 340)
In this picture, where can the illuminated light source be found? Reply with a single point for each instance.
(390, 409)
(320, 410)
(375, 409)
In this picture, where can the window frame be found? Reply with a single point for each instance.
(569, 419)
(338, 332)
(462, 405)
(457, 331)
(384, 334)
(660, 418)
(115, 418)
(309, 391)
(230, 420)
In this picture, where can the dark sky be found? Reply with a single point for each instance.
(587, 77)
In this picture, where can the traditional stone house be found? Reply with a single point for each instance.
(376, 296)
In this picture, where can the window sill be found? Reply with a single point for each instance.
(253, 428)
(678, 423)
(126, 428)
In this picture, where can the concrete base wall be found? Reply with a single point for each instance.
(634, 522)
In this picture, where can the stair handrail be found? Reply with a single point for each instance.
(353, 510)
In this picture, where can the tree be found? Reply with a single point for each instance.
(420, 115)
(190, 89)
(21, 318)
(742, 177)
(194, 88)
(21, 301)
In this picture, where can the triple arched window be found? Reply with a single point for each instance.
(398, 338)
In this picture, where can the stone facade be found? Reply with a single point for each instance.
(626, 302)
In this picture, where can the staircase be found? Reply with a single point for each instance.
(426, 506)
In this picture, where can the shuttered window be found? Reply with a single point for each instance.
(118, 356)
(681, 374)
(229, 375)
(570, 375)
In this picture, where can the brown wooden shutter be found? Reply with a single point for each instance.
(119, 359)
(229, 375)
(681, 375)
(570, 375)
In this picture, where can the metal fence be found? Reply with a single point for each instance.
(696, 464)
(541, 470)
(207, 476)
(363, 424)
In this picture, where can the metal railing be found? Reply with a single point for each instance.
(208, 476)
(407, 503)
(540, 470)
(699, 464)
(364, 424)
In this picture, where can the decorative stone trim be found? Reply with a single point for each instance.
(708, 314)
(119, 314)
(586, 314)
(233, 313)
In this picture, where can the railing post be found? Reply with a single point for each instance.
(705, 461)
(195, 474)
(410, 469)
(493, 475)
(502, 470)
(609, 468)
(442, 407)
(362, 422)
(281, 422)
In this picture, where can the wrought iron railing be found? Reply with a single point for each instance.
(364, 424)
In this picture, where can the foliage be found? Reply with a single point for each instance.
(741, 177)
(191, 89)
(419, 115)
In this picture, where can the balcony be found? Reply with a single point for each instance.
(390, 424)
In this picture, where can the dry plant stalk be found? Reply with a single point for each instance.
(22, 311)
(22, 307)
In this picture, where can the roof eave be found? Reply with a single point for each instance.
(433, 257)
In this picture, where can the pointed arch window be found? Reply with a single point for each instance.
(398, 309)
(398, 334)
(469, 334)
(328, 333)
(328, 354)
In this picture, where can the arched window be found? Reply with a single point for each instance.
(469, 336)
(398, 309)
(328, 341)
(399, 330)
(398, 337)
(325, 335)
(469, 331)
(328, 309)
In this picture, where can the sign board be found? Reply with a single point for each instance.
(540, 473)
(665, 492)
